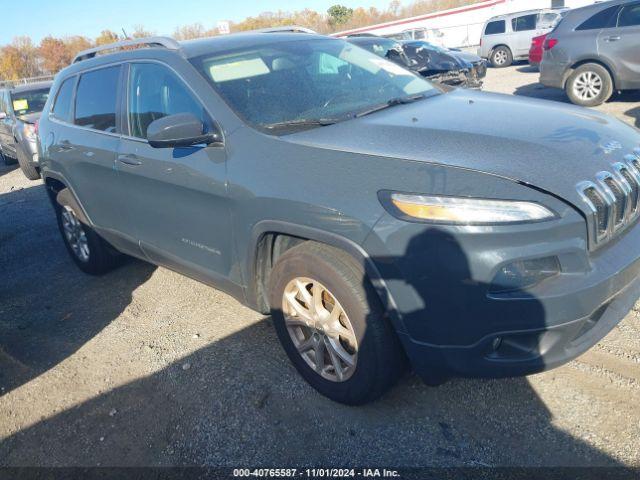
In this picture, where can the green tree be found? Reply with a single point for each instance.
(339, 15)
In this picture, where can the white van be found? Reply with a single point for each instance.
(506, 38)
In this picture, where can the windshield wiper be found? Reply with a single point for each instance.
(302, 122)
(391, 103)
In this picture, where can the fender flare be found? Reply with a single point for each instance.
(355, 251)
(66, 198)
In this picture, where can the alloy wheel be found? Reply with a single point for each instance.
(588, 86)
(500, 57)
(320, 329)
(75, 235)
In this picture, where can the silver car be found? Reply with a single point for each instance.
(506, 38)
(594, 51)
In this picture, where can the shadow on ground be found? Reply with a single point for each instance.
(4, 168)
(48, 308)
(240, 402)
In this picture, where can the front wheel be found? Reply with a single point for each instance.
(332, 325)
(589, 85)
(89, 252)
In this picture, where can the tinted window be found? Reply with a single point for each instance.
(156, 92)
(29, 101)
(629, 16)
(62, 107)
(96, 99)
(525, 23)
(494, 28)
(602, 19)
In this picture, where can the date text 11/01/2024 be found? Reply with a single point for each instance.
(316, 472)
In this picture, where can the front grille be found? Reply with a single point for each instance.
(601, 209)
(620, 199)
(614, 199)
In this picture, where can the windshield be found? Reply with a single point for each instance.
(304, 84)
(29, 101)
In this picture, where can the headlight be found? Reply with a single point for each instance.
(468, 211)
(29, 132)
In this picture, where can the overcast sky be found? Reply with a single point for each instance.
(39, 18)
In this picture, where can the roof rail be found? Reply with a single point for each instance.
(165, 42)
(283, 29)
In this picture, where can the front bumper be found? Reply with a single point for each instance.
(452, 323)
(523, 352)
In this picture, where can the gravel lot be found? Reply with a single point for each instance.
(145, 367)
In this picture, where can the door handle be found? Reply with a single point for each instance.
(130, 159)
(65, 146)
(613, 38)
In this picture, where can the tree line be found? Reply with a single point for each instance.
(22, 58)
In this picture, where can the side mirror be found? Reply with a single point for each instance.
(180, 130)
(3, 115)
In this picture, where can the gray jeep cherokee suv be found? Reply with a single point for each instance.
(379, 218)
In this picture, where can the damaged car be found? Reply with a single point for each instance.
(436, 61)
(438, 66)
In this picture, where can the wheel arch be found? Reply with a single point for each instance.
(60, 193)
(270, 239)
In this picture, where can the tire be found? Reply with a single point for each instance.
(501, 57)
(27, 168)
(379, 360)
(589, 85)
(98, 257)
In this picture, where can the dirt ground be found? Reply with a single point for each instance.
(145, 367)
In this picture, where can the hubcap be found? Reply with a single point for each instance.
(320, 329)
(74, 233)
(500, 57)
(587, 86)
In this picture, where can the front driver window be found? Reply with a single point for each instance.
(156, 92)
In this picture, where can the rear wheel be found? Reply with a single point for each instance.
(89, 252)
(332, 325)
(27, 168)
(501, 57)
(589, 85)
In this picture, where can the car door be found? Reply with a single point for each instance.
(177, 197)
(621, 44)
(524, 29)
(84, 146)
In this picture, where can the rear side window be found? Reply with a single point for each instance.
(156, 92)
(603, 19)
(96, 99)
(62, 106)
(629, 16)
(493, 28)
(525, 23)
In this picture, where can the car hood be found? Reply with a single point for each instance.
(545, 144)
(466, 57)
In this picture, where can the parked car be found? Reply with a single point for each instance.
(536, 50)
(434, 36)
(506, 38)
(594, 51)
(425, 53)
(378, 217)
(438, 66)
(20, 109)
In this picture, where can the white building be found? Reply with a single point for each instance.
(462, 26)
